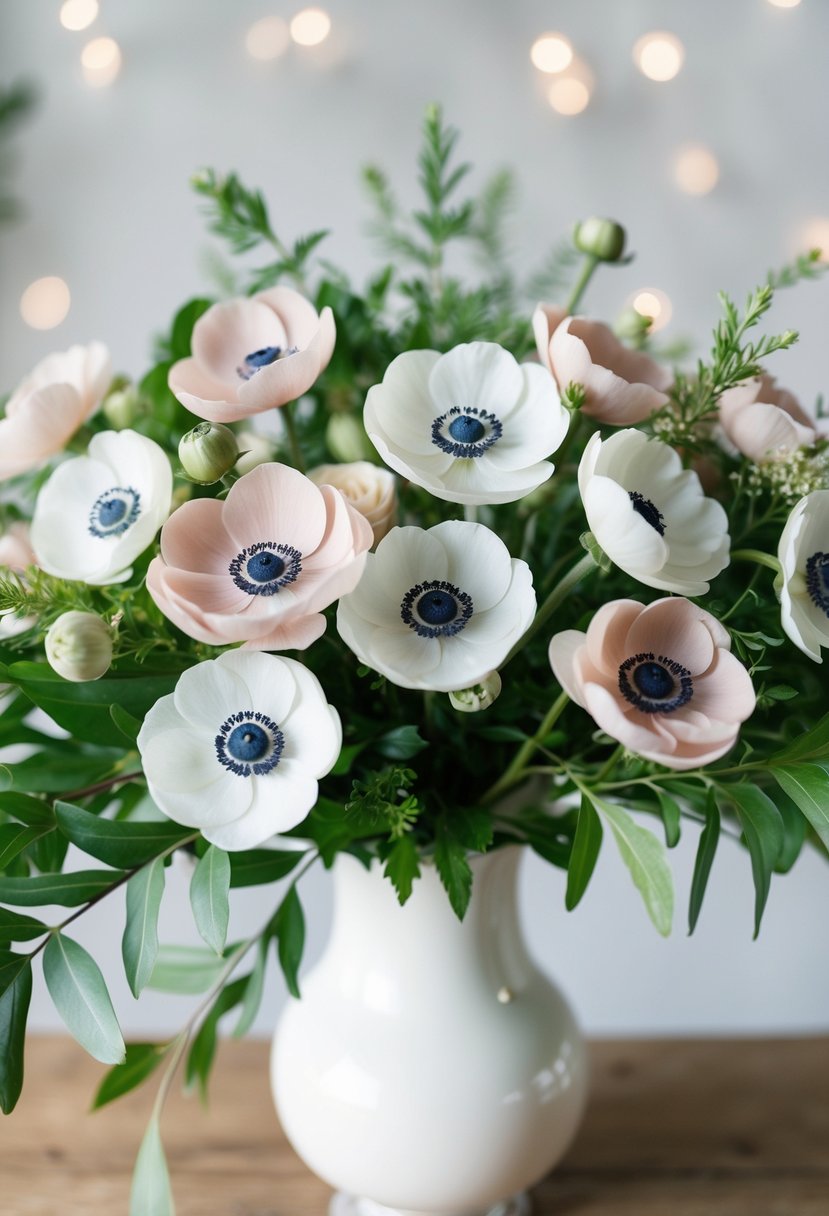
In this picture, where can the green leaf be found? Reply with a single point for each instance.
(671, 818)
(254, 988)
(795, 827)
(10, 967)
(811, 745)
(255, 867)
(203, 1048)
(289, 929)
(185, 969)
(808, 786)
(401, 743)
(454, 870)
(67, 890)
(14, 1009)
(151, 1194)
(140, 1062)
(119, 842)
(209, 891)
(346, 758)
(31, 811)
(52, 772)
(403, 867)
(644, 855)
(15, 837)
(707, 847)
(763, 834)
(586, 844)
(80, 995)
(139, 945)
(126, 723)
(472, 827)
(17, 928)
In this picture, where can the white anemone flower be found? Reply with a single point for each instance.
(237, 749)
(650, 516)
(472, 426)
(438, 609)
(98, 512)
(804, 561)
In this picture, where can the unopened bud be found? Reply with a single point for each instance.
(479, 696)
(208, 452)
(79, 646)
(347, 439)
(632, 326)
(602, 239)
(121, 407)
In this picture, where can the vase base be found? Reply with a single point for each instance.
(350, 1205)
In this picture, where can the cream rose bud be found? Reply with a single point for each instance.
(370, 489)
(479, 696)
(208, 452)
(347, 438)
(79, 646)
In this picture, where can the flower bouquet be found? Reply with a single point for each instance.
(432, 575)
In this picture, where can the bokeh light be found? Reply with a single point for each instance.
(653, 303)
(551, 53)
(45, 303)
(101, 61)
(814, 234)
(268, 38)
(78, 14)
(659, 55)
(696, 169)
(571, 91)
(785, 3)
(310, 27)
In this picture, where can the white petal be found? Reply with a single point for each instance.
(180, 761)
(207, 694)
(401, 410)
(478, 375)
(478, 561)
(277, 805)
(220, 802)
(269, 680)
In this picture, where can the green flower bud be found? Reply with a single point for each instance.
(479, 696)
(632, 326)
(79, 646)
(208, 452)
(347, 439)
(121, 406)
(602, 239)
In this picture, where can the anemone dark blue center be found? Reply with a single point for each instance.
(817, 580)
(114, 511)
(249, 744)
(265, 568)
(655, 684)
(651, 514)
(437, 607)
(466, 429)
(262, 357)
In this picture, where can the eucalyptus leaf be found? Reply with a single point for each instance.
(67, 890)
(203, 1048)
(256, 867)
(32, 811)
(584, 854)
(809, 745)
(671, 818)
(763, 833)
(644, 855)
(14, 1009)
(254, 989)
(139, 945)
(209, 892)
(119, 842)
(289, 930)
(80, 996)
(151, 1194)
(140, 1062)
(808, 786)
(185, 969)
(401, 743)
(706, 849)
(126, 723)
(16, 837)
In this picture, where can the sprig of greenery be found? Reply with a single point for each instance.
(383, 800)
(41, 595)
(808, 266)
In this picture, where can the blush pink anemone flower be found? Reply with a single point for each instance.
(660, 679)
(765, 422)
(259, 567)
(251, 355)
(621, 386)
(50, 404)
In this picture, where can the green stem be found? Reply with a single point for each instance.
(756, 555)
(608, 765)
(99, 787)
(588, 266)
(294, 445)
(558, 594)
(470, 513)
(517, 768)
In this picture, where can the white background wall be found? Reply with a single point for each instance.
(104, 177)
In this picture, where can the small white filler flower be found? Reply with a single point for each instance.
(803, 553)
(472, 426)
(98, 512)
(438, 609)
(650, 516)
(237, 749)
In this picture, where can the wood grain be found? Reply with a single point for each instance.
(674, 1128)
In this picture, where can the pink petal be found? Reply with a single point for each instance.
(37, 427)
(290, 377)
(200, 393)
(207, 593)
(546, 320)
(228, 332)
(195, 538)
(276, 503)
(607, 635)
(562, 652)
(725, 692)
(675, 629)
(636, 731)
(297, 315)
(622, 386)
(297, 634)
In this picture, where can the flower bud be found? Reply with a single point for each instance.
(79, 646)
(208, 452)
(602, 239)
(347, 439)
(121, 406)
(479, 696)
(369, 489)
(632, 326)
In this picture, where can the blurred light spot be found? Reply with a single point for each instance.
(568, 95)
(659, 55)
(268, 38)
(815, 235)
(696, 170)
(310, 27)
(101, 61)
(45, 303)
(78, 14)
(785, 3)
(551, 53)
(653, 303)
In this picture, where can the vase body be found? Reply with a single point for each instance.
(430, 1067)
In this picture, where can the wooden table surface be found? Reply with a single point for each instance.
(674, 1128)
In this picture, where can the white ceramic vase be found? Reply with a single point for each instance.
(430, 1068)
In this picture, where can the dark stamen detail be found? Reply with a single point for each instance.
(436, 609)
(249, 744)
(651, 514)
(466, 433)
(265, 568)
(817, 580)
(263, 357)
(114, 511)
(655, 684)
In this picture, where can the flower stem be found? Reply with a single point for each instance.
(608, 766)
(558, 594)
(756, 555)
(470, 513)
(294, 445)
(587, 267)
(517, 768)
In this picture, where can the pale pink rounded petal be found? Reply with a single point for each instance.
(187, 618)
(297, 634)
(545, 321)
(562, 651)
(606, 709)
(280, 382)
(347, 532)
(316, 589)
(762, 430)
(195, 388)
(195, 538)
(674, 628)
(607, 634)
(16, 552)
(725, 692)
(208, 593)
(276, 503)
(39, 426)
(228, 332)
(87, 369)
(621, 386)
(298, 316)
